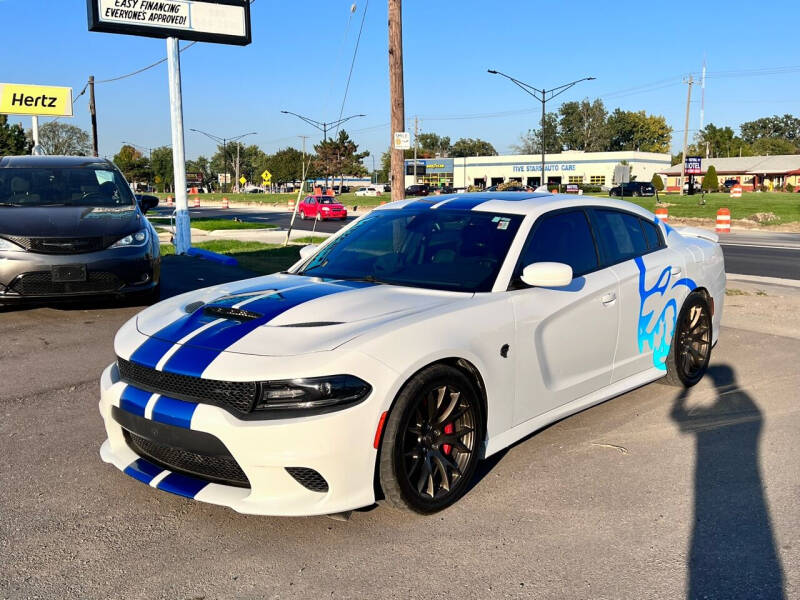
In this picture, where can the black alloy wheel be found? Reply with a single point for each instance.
(691, 352)
(432, 441)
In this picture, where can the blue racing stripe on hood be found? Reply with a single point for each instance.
(193, 358)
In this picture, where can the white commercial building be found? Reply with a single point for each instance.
(587, 168)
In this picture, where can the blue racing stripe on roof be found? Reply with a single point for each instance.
(463, 203)
(193, 359)
(143, 470)
(421, 204)
(134, 400)
(182, 485)
(172, 411)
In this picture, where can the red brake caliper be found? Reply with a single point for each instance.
(446, 448)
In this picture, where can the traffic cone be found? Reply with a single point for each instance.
(225, 203)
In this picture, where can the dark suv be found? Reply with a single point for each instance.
(633, 188)
(418, 189)
(70, 227)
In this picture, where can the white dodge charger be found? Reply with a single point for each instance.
(423, 337)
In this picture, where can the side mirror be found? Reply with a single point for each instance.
(146, 202)
(547, 274)
(307, 251)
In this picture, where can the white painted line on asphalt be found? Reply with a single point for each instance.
(765, 280)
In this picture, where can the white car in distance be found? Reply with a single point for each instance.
(423, 337)
(369, 191)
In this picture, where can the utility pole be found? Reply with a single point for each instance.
(93, 113)
(397, 97)
(238, 145)
(690, 82)
(416, 131)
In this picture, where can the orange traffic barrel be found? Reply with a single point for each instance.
(724, 220)
(662, 213)
(225, 202)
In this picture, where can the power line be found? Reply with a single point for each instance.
(353, 62)
(143, 69)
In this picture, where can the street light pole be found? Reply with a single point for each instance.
(542, 96)
(224, 142)
(322, 126)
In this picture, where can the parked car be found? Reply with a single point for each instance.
(71, 227)
(322, 208)
(729, 183)
(368, 191)
(697, 186)
(392, 358)
(418, 189)
(633, 188)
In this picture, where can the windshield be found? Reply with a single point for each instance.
(438, 249)
(67, 186)
(325, 200)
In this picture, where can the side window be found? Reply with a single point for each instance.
(620, 235)
(651, 235)
(563, 237)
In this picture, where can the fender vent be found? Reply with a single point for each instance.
(235, 314)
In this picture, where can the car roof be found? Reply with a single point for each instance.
(30, 161)
(519, 203)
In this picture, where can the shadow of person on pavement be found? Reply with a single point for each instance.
(733, 552)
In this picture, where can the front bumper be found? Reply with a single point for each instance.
(338, 446)
(26, 275)
(333, 214)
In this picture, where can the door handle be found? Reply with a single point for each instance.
(675, 270)
(608, 298)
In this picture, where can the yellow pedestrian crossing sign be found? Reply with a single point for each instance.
(266, 176)
(242, 180)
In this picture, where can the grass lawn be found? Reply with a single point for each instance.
(309, 239)
(210, 224)
(785, 206)
(282, 199)
(253, 256)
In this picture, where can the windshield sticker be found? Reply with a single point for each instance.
(657, 332)
(503, 223)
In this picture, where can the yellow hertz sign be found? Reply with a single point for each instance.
(42, 100)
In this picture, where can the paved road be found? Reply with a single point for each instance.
(756, 253)
(655, 494)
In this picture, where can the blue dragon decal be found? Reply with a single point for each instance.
(657, 333)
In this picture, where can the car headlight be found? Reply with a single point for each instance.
(325, 208)
(9, 246)
(312, 393)
(132, 239)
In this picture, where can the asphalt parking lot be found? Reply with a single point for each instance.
(655, 494)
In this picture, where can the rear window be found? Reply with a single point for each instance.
(651, 235)
(620, 235)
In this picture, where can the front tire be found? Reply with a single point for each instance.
(432, 441)
(690, 353)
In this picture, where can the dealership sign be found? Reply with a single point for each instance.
(693, 165)
(36, 100)
(220, 21)
(538, 167)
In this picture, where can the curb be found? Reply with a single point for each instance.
(794, 283)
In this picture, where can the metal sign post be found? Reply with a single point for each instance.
(183, 234)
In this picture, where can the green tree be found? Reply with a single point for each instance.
(386, 166)
(203, 166)
(710, 180)
(134, 166)
(250, 158)
(161, 165)
(431, 145)
(629, 130)
(285, 165)
(582, 125)
(657, 182)
(720, 141)
(472, 147)
(12, 138)
(773, 146)
(339, 156)
(786, 127)
(530, 142)
(62, 139)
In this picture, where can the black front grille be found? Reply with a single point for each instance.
(308, 478)
(40, 283)
(221, 469)
(62, 245)
(237, 397)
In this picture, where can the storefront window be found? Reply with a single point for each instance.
(575, 179)
(597, 179)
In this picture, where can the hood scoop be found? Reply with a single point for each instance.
(234, 314)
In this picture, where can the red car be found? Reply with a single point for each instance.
(321, 208)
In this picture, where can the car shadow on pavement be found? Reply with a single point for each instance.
(733, 552)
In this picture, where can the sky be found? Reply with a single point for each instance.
(302, 51)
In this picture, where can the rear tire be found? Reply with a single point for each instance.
(432, 441)
(690, 352)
